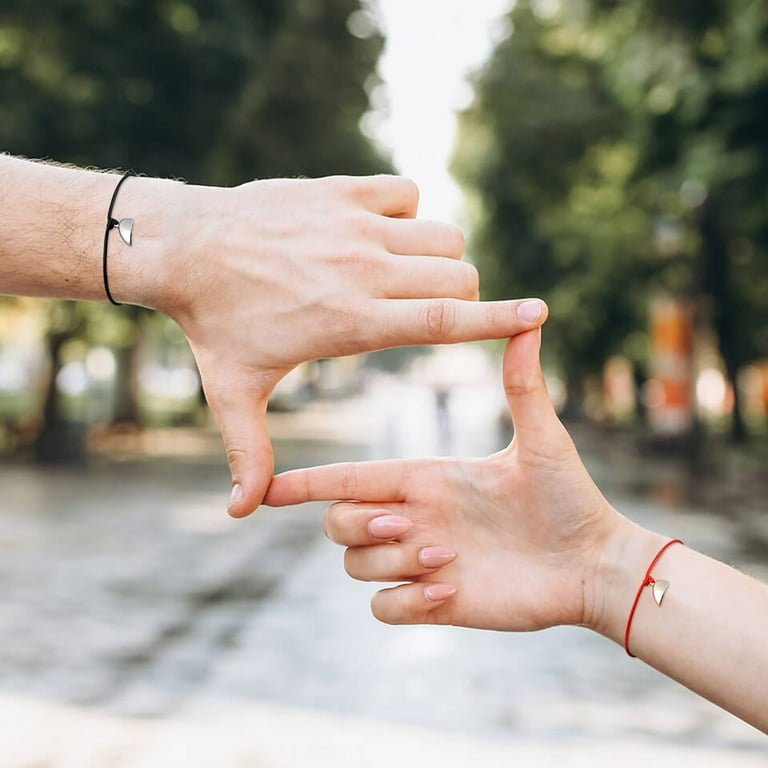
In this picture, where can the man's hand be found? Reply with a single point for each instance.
(261, 277)
(274, 273)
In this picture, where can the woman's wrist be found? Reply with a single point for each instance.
(619, 570)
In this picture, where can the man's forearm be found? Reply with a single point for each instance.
(52, 223)
(260, 277)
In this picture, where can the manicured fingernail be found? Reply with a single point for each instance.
(236, 496)
(437, 592)
(530, 311)
(435, 557)
(388, 526)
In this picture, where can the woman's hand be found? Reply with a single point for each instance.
(513, 541)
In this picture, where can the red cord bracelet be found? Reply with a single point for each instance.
(659, 588)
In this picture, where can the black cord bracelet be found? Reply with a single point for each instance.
(125, 230)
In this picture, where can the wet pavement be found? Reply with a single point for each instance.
(142, 627)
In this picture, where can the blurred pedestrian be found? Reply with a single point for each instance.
(443, 413)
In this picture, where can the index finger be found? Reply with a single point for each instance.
(381, 481)
(448, 321)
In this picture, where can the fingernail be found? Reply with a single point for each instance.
(236, 496)
(388, 526)
(530, 311)
(435, 557)
(437, 592)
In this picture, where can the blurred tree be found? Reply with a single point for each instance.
(705, 127)
(598, 126)
(542, 146)
(184, 88)
(214, 91)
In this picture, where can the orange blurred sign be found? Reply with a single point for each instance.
(671, 409)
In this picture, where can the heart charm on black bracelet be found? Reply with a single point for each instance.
(125, 230)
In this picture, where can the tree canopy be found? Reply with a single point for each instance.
(214, 90)
(211, 91)
(617, 149)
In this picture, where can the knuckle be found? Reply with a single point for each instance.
(385, 607)
(519, 385)
(361, 223)
(306, 485)
(441, 319)
(348, 332)
(328, 524)
(353, 260)
(349, 481)
(235, 455)
(472, 281)
(362, 249)
(409, 192)
(403, 606)
(337, 184)
(353, 566)
(339, 524)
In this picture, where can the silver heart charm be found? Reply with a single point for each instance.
(125, 228)
(659, 589)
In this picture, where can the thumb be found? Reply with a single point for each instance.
(529, 403)
(249, 453)
(242, 418)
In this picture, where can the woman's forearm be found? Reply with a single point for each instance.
(710, 632)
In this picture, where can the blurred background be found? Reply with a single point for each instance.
(610, 157)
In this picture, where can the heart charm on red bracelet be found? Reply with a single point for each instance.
(659, 588)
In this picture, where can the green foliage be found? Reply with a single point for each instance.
(212, 91)
(209, 90)
(552, 172)
(618, 148)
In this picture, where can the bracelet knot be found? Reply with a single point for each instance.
(660, 587)
(125, 230)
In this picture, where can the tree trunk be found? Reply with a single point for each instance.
(60, 441)
(717, 283)
(127, 359)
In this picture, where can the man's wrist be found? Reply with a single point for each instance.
(146, 273)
